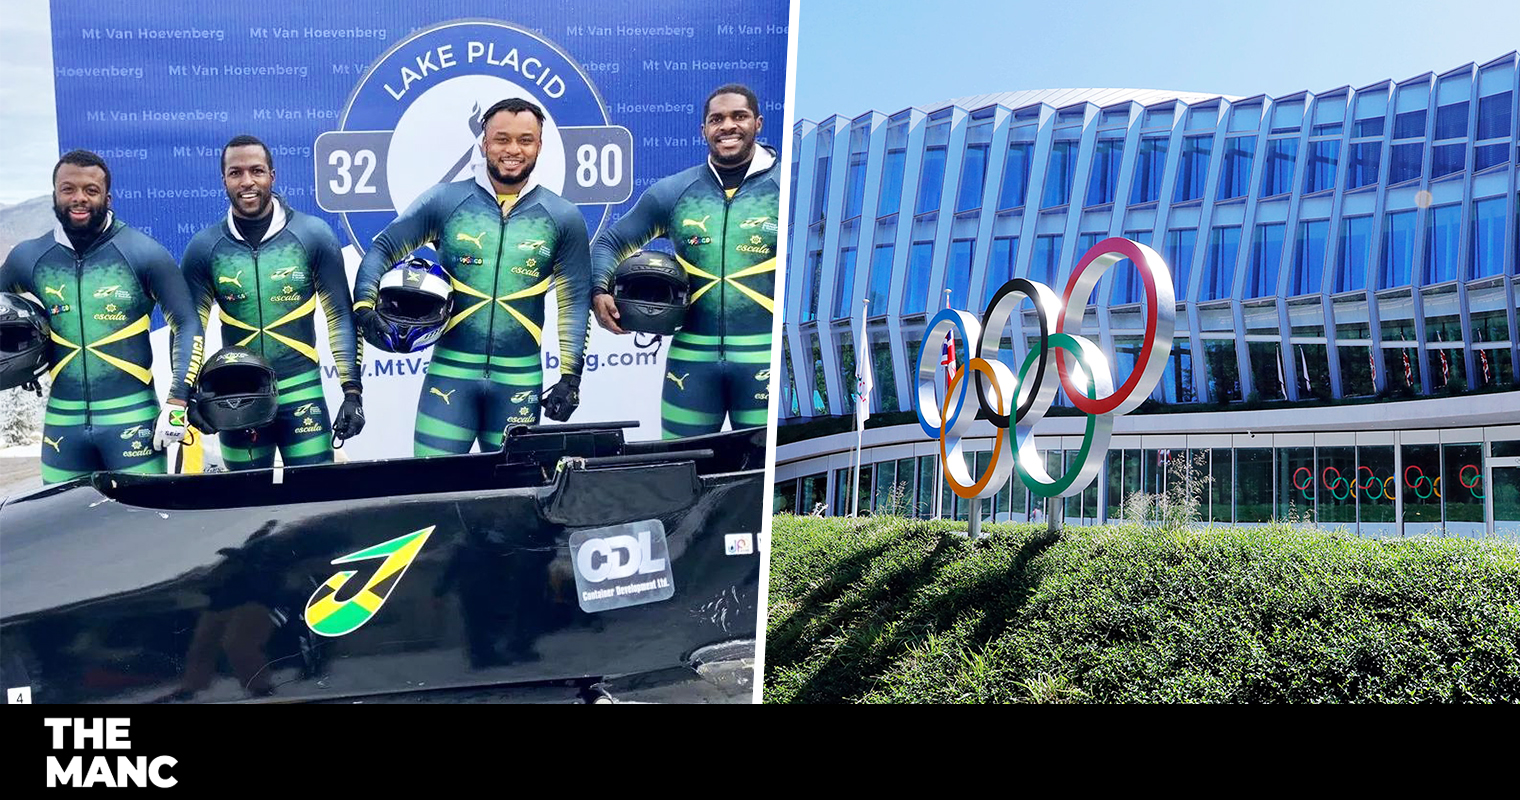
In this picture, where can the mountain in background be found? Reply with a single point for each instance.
(25, 220)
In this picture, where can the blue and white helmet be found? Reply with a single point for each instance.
(413, 305)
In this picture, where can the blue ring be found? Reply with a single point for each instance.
(945, 315)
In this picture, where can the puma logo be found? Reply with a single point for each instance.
(53, 442)
(235, 280)
(47, 290)
(681, 381)
(475, 240)
(444, 395)
(693, 223)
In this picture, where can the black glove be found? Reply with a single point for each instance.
(198, 422)
(370, 328)
(561, 401)
(350, 419)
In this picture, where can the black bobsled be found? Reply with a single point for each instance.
(571, 558)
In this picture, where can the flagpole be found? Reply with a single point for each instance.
(860, 422)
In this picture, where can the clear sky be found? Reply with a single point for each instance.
(857, 56)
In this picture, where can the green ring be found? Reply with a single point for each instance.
(1059, 341)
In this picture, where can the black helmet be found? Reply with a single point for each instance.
(25, 340)
(237, 390)
(413, 304)
(651, 293)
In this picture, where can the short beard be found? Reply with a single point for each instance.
(259, 214)
(742, 158)
(501, 177)
(97, 218)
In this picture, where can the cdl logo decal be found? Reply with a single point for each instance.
(1016, 403)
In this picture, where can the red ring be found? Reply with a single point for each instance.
(1369, 472)
(1416, 468)
(1130, 250)
(1477, 476)
(1327, 483)
(1306, 486)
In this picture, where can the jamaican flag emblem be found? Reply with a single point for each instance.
(327, 616)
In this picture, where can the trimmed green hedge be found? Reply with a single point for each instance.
(890, 610)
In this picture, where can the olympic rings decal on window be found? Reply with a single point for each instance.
(1014, 404)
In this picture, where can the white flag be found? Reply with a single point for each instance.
(862, 372)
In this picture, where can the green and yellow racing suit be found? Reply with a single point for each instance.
(719, 362)
(102, 406)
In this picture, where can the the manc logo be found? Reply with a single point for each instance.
(286, 274)
(763, 223)
(413, 121)
(327, 616)
(113, 290)
(522, 397)
(305, 410)
(1016, 404)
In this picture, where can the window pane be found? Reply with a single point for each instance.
(1150, 167)
(881, 368)
(1366, 158)
(1278, 178)
(1451, 121)
(1422, 504)
(1194, 168)
(891, 183)
(1059, 174)
(1309, 257)
(1337, 482)
(1235, 176)
(958, 281)
(810, 290)
(820, 384)
(1179, 258)
(1253, 485)
(1224, 247)
(1405, 164)
(1398, 250)
(1223, 370)
(844, 284)
(881, 279)
(932, 181)
(1312, 371)
(820, 187)
(1000, 267)
(1042, 269)
(1488, 238)
(1490, 155)
(1177, 381)
(1493, 116)
(1323, 158)
(1221, 489)
(814, 491)
(973, 175)
(917, 290)
(1266, 257)
(1015, 175)
(1441, 239)
(1409, 125)
(1356, 371)
(1376, 484)
(1296, 486)
(886, 476)
(1266, 370)
(784, 497)
(928, 471)
(1355, 244)
(857, 186)
(1105, 171)
(1447, 159)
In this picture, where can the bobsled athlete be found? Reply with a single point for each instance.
(501, 240)
(267, 267)
(98, 280)
(721, 216)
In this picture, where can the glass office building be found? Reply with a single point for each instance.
(1344, 262)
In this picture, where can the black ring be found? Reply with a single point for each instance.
(1025, 287)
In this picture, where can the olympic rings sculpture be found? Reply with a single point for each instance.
(1016, 403)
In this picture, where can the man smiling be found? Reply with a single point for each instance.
(98, 280)
(502, 238)
(722, 217)
(267, 267)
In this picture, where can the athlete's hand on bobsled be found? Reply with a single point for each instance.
(171, 425)
(350, 419)
(607, 312)
(198, 422)
(561, 401)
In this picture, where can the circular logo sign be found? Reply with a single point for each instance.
(413, 121)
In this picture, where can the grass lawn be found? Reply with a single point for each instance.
(887, 610)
